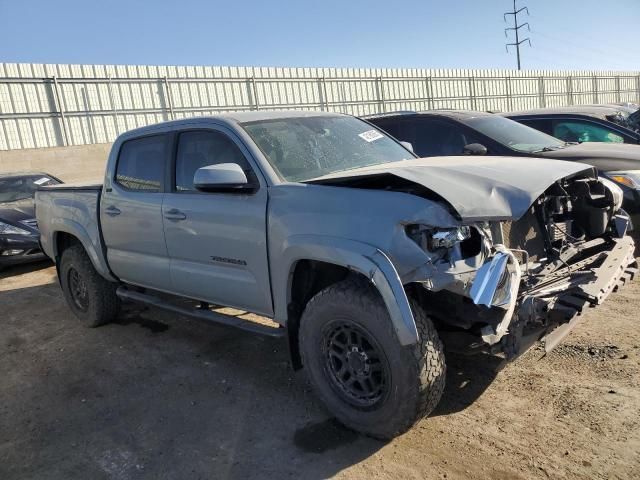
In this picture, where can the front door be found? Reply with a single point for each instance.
(131, 213)
(217, 241)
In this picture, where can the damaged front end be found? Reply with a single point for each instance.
(500, 286)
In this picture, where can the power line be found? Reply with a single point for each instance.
(516, 28)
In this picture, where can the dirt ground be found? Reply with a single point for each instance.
(156, 396)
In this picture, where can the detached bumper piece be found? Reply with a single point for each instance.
(556, 297)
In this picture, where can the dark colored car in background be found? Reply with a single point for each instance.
(19, 235)
(583, 123)
(465, 132)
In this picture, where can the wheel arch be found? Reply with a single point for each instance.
(313, 264)
(71, 233)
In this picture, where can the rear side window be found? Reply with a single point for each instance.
(202, 148)
(141, 163)
(577, 131)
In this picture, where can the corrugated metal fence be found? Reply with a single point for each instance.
(58, 105)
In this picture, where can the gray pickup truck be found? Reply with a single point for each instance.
(370, 261)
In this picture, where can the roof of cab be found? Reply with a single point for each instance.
(591, 110)
(231, 118)
(451, 113)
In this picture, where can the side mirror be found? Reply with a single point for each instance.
(408, 146)
(221, 177)
(474, 149)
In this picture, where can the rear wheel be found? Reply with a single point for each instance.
(90, 296)
(361, 372)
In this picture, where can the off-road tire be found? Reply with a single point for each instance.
(417, 372)
(103, 305)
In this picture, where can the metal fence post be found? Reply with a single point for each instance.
(594, 83)
(429, 92)
(322, 87)
(254, 90)
(618, 88)
(60, 106)
(638, 88)
(381, 98)
(542, 99)
(167, 90)
(113, 106)
(472, 93)
(569, 90)
(509, 96)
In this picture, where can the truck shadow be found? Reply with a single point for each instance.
(467, 379)
(155, 395)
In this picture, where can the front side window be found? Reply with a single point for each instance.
(141, 163)
(13, 189)
(577, 131)
(199, 149)
(436, 138)
(303, 148)
(514, 135)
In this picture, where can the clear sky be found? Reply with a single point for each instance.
(565, 34)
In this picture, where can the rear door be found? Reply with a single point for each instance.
(217, 241)
(131, 213)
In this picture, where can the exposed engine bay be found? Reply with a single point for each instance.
(532, 276)
(525, 257)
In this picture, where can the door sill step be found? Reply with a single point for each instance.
(126, 294)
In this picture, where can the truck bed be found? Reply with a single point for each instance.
(73, 209)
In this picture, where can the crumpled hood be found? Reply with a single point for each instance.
(478, 188)
(602, 155)
(15, 212)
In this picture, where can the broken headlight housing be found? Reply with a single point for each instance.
(448, 237)
(435, 238)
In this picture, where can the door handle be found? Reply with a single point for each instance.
(112, 211)
(175, 215)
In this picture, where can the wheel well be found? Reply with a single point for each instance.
(308, 278)
(62, 241)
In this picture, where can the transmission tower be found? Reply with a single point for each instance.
(516, 28)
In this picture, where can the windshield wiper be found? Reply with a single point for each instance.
(547, 149)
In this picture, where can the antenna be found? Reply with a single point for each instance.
(516, 28)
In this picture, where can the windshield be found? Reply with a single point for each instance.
(13, 189)
(303, 148)
(514, 135)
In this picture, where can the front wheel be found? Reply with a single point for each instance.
(359, 369)
(91, 297)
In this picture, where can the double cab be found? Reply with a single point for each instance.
(368, 260)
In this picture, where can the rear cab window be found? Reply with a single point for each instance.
(141, 163)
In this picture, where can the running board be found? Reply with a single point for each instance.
(206, 315)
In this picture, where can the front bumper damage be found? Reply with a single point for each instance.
(546, 304)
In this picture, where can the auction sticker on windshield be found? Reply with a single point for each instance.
(370, 135)
(41, 181)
